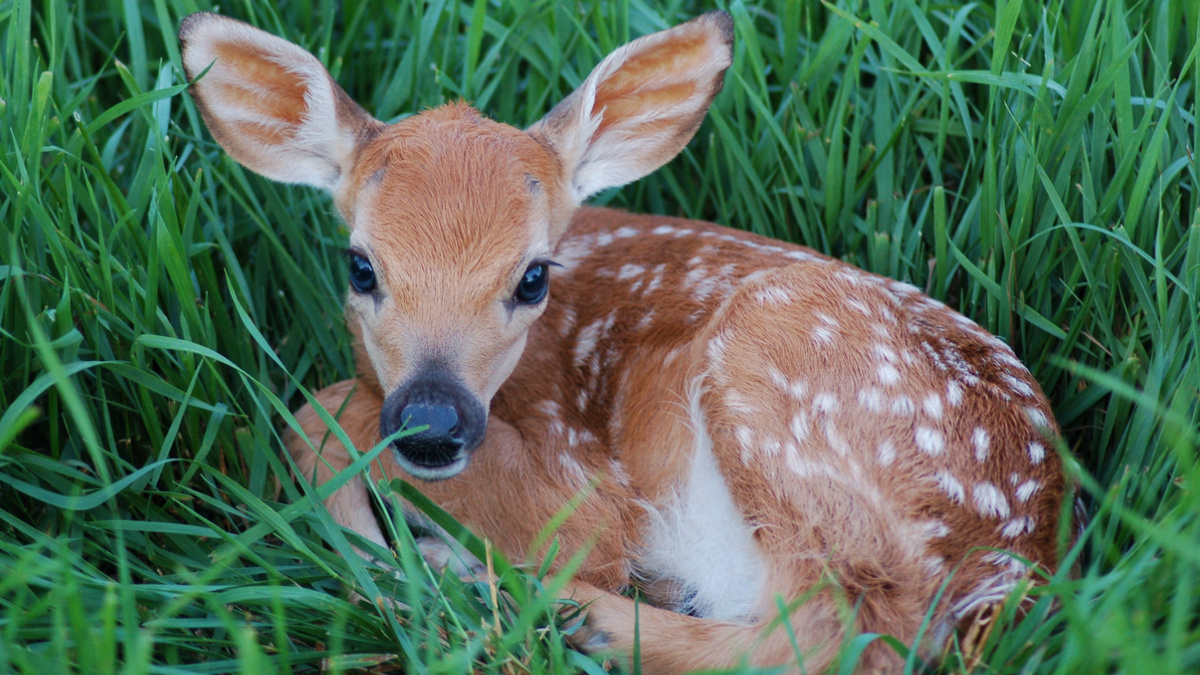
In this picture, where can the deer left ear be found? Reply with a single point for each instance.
(640, 106)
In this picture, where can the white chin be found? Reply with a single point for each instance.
(431, 473)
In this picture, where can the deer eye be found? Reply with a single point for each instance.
(362, 275)
(534, 285)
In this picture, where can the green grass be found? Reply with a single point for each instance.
(1033, 164)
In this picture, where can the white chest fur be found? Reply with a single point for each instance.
(700, 541)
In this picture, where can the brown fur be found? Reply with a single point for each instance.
(870, 439)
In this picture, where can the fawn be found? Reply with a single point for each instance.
(757, 422)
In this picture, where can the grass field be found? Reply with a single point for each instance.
(161, 310)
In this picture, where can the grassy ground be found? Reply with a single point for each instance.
(161, 310)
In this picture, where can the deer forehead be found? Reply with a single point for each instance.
(450, 202)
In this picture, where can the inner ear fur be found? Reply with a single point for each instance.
(640, 106)
(270, 104)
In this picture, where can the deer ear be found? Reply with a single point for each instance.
(640, 106)
(270, 104)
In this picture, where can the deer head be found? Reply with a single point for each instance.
(453, 217)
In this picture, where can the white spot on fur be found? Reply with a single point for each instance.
(1037, 418)
(745, 436)
(858, 306)
(674, 354)
(705, 288)
(755, 276)
(736, 403)
(772, 295)
(871, 399)
(549, 408)
(772, 446)
(568, 321)
(1037, 452)
(887, 452)
(827, 320)
(1017, 385)
(888, 374)
(934, 565)
(981, 441)
(1017, 527)
(903, 406)
(626, 232)
(578, 436)
(629, 271)
(825, 402)
(822, 336)
(964, 321)
(807, 469)
(575, 472)
(618, 472)
(990, 501)
(778, 378)
(717, 344)
(802, 256)
(662, 229)
(646, 321)
(934, 529)
(950, 485)
(657, 280)
(954, 393)
(700, 540)
(932, 405)
(801, 427)
(834, 438)
(795, 388)
(1004, 355)
(1027, 489)
(850, 276)
(883, 352)
(930, 441)
(585, 342)
(694, 277)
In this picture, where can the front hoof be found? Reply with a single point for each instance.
(442, 557)
(586, 636)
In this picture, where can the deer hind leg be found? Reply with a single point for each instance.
(804, 471)
(665, 642)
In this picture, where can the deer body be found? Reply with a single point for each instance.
(761, 422)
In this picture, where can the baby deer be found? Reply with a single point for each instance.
(765, 427)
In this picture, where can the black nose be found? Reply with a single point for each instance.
(451, 420)
(437, 445)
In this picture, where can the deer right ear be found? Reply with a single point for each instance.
(270, 104)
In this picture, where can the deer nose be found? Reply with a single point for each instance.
(451, 423)
(440, 442)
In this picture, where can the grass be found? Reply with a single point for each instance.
(161, 310)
